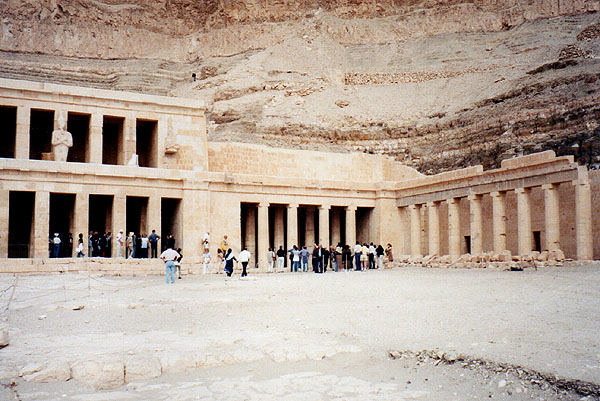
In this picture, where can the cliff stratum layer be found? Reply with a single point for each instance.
(437, 84)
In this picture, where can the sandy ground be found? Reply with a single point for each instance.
(305, 336)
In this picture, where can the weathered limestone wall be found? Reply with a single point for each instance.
(595, 183)
(262, 160)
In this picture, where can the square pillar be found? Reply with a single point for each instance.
(155, 218)
(551, 216)
(278, 227)
(415, 230)
(129, 139)
(433, 209)
(499, 221)
(351, 226)
(4, 216)
(95, 139)
(292, 224)
(309, 233)
(250, 233)
(119, 221)
(453, 227)
(22, 133)
(263, 235)
(41, 224)
(583, 220)
(524, 221)
(81, 222)
(324, 225)
(476, 222)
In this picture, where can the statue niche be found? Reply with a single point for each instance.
(62, 140)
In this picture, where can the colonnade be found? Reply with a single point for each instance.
(551, 207)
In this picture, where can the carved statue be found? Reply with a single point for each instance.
(62, 140)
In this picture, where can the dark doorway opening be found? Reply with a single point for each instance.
(363, 224)
(40, 134)
(100, 223)
(170, 220)
(146, 143)
(112, 140)
(302, 227)
(537, 241)
(8, 133)
(468, 243)
(62, 209)
(249, 228)
(20, 223)
(79, 127)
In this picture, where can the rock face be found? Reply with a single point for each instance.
(436, 84)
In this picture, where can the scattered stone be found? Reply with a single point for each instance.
(342, 103)
(502, 383)
(4, 337)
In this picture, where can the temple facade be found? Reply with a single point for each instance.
(139, 163)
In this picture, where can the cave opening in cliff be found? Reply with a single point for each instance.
(112, 140)
(8, 117)
(41, 126)
(20, 223)
(79, 127)
(146, 133)
(170, 220)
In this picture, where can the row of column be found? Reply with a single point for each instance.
(94, 150)
(292, 227)
(524, 231)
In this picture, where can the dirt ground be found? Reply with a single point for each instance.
(489, 333)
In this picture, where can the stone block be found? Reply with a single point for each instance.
(142, 367)
(100, 374)
(54, 372)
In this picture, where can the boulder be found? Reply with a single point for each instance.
(100, 374)
(556, 255)
(54, 372)
(4, 338)
(142, 367)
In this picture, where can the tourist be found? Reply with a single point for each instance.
(316, 259)
(325, 256)
(364, 257)
(304, 255)
(389, 253)
(244, 258)
(144, 246)
(280, 258)
(170, 241)
(120, 241)
(169, 256)
(338, 256)
(206, 260)
(379, 252)
(220, 260)
(69, 250)
(90, 244)
(206, 241)
(102, 245)
(295, 258)
(79, 249)
(357, 251)
(347, 257)
(135, 243)
(229, 258)
(56, 245)
(153, 238)
(178, 262)
(371, 253)
(129, 244)
(271, 259)
(108, 252)
(224, 244)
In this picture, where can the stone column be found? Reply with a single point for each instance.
(309, 233)
(552, 216)
(499, 221)
(41, 224)
(324, 225)
(155, 218)
(22, 133)
(82, 214)
(524, 221)
(119, 223)
(4, 217)
(415, 230)
(336, 235)
(476, 222)
(129, 139)
(351, 226)
(94, 150)
(278, 227)
(433, 209)
(583, 220)
(263, 234)
(453, 227)
(292, 225)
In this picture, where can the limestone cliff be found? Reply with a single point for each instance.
(438, 84)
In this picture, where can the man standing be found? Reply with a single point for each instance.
(153, 238)
(56, 245)
(244, 258)
(120, 243)
(304, 254)
(169, 256)
(357, 249)
(206, 241)
(224, 244)
(280, 258)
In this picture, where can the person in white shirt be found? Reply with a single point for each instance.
(206, 260)
(244, 258)
(120, 242)
(357, 249)
(206, 240)
(169, 256)
(271, 259)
